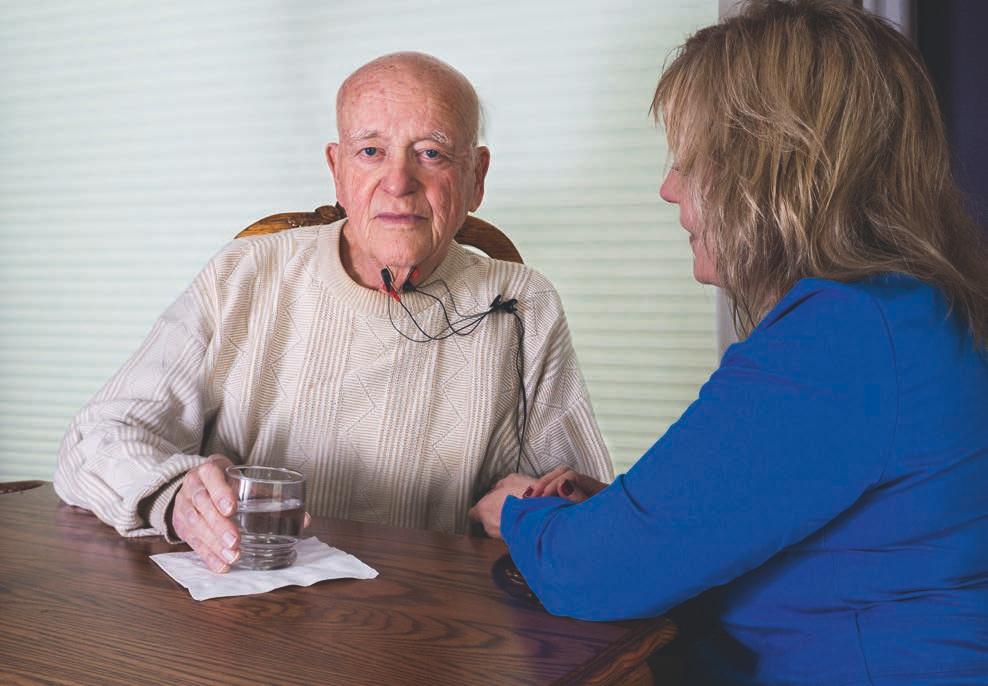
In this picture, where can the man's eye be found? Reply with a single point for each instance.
(369, 151)
(432, 154)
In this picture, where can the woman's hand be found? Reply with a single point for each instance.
(487, 511)
(566, 483)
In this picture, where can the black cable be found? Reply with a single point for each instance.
(465, 326)
(474, 321)
(520, 368)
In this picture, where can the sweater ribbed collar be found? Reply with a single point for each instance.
(374, 302)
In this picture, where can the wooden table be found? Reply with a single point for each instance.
(81, 605)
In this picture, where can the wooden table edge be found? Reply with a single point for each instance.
(622, 658)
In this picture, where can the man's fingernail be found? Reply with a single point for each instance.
(227, 506)
(566, 488)
(229, 539)
(201, 499)
(229, 556)
(528, 492)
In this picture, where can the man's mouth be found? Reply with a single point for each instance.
(399, 217)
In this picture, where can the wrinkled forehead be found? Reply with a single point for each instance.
(400, 102)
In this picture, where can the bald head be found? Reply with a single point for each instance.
(407, 167)
(415, 72)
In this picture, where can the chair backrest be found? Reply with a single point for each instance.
(17, 486)
(475, 232)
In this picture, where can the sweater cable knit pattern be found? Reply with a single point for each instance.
(274, 356)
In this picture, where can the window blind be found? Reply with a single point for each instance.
(138, 138)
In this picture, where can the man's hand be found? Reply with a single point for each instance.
(487, 511)
(202, 511)
(566, 483)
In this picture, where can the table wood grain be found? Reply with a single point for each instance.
(81, 605)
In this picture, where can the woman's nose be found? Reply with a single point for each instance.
(670, 188)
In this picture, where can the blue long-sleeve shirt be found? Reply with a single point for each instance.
(833, 473)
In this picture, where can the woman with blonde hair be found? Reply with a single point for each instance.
(832, 476)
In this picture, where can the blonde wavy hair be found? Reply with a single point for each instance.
(811, 142)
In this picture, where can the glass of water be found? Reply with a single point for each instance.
(270, 514)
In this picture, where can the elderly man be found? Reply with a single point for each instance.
(288, 350)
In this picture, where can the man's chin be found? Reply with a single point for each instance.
(425, 257)
(403, 258)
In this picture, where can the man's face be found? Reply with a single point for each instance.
(405, 170)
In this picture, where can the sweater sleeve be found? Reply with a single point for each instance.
(125, 451)
(790, 431)
(561, 428)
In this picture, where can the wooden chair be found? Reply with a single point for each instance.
(475, 232)
(15, 486)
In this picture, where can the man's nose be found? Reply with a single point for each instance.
(399, 176)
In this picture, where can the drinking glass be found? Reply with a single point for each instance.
(270, 514)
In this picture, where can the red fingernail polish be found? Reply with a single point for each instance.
(566, 488)
(528, 492)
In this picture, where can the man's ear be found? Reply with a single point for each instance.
(331, 152)
(481, 165)
(332, 159)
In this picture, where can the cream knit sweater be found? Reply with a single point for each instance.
(275, 356)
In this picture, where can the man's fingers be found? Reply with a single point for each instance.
(192, 527)
(514, 482)
(488, 512)
(219, 563)
(217, 551)
(221, 551)
(204, 514)
(212, 473)
(198, 515)
(205, 517)
(215, 502)
(201, 500)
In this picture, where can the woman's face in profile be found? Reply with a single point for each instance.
(674, 190)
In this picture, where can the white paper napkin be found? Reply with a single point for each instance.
(316, 562)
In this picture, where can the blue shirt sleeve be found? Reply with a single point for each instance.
(795, 425)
